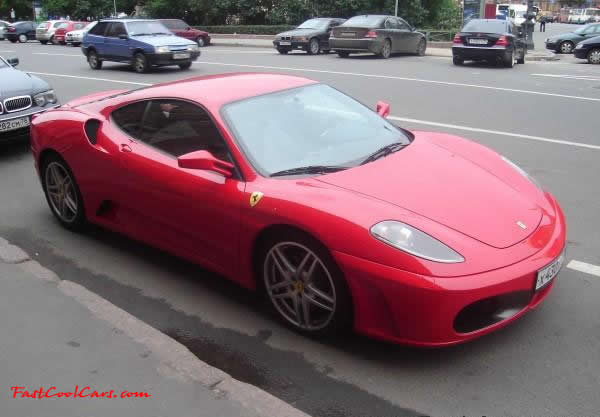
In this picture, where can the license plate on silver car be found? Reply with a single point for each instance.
(181, 56)
(548, 273)
(478, 41)
(285, 43)
(14, 124)
(348, 34)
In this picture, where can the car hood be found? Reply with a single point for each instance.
(18, 83)
(595, 39)
(163, 40)
(569, 36)
(448, 188)
(300, 32)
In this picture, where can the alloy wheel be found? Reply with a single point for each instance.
(594, 56)
(200, 41)
(386, 51)
(300, 286)
(61, 192)
(314, 46)
(566, 47)
(22, 38)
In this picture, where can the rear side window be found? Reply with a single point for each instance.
(403, 25)
(129, 118)
(364, 21)
(59, 24)
(99, 29)
(78, 26)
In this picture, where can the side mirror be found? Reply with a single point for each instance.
(383, 109)
(123, 36)
(13, 62)
(205, 161)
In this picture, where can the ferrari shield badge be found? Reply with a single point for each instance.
(255, 198)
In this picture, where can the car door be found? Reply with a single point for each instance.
(410, 38)
(390, 30)
(95, 38)
(116, 48)
(194, 213)
(325, 37)
(30, 30)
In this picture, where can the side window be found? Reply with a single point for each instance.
(78, 26)
(388, 24)
(403, 25)
(115, 29)
(99, 29)
(178, 127)
(181, 25)
(168, 23)
(129, 118)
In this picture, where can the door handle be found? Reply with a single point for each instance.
(125, 148)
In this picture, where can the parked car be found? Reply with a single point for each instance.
(574, 15)
(183, 30)
(379, 34)
(489, 40)
(589, 15)
(142, 43)
(589, 49)
(75, 37)
(60, 36)
(20, 31)
(566, 42)
(311, 36)
(46, 30)
(312, 208)
(21, 96)
(3, 26)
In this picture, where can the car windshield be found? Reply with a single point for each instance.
(313, 24)
(314, 125)
(485, 26)
(147, 28)
(90, 26)
(520, 13)
(582, 29)
(368, 21)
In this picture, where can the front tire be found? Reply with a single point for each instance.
(593, 56)
(303, 285)
(200, 41)
(386, 50)
(185, 66)
(22, 38)
(313, 47)
(140, 63)
(62, 193)
(283, 51)
(421, 48)
(44, 42)
(566, 47)
(93, 61)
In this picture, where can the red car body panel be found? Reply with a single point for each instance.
(188, 32)
(60, 34)
(459, 192)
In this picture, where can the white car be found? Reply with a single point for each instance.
(76, 36)
(3, 26)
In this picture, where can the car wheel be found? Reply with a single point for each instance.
(343, 54)
(200, 41)
(62, 193)
(593, 56)
(22, 38)
(282, 51)
(457, 61)
(386, 50)
(303, 284)
(43, 42)
(566, 47)
(75, 44)
(521, 59)
(422, 47)
(185, 66)
(63, 43)
(51, 40)
(140, 63)
(313, 47)
(509, 61)
(94, 61)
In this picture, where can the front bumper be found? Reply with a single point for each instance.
(407, 308)
(60, 38)
(553, 46)
(580, 53)
(478, 52)
(43, 36)
(21, 133)
(374, 45)
(167, 59)
(293, 45)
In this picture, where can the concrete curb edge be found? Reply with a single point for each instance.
(172, 355)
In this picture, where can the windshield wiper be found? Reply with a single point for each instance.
(311, 169)
(384, 151)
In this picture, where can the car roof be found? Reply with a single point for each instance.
(129, 20)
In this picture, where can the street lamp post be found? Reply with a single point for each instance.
(115, 4)
(396, 9)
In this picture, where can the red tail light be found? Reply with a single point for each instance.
(502, 41)
(12, 29)
(457, 39)
(371, 34)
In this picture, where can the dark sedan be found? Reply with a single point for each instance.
(311, 36)
(21, 95)
(489, 40)
(565, 43)
(381, 35)
(20, 31)
(589, 49)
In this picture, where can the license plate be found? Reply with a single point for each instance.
(181, 56)
(547, 274)
(348, 34)
(14, 124)
(478, 41)
(285, 43)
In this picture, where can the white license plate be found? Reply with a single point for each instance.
(547, 274)
(14, 124)
(285, 43)
(348, 34)
(478, 41)
(181, 56)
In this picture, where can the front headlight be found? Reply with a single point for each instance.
(299, 38)
(193, 48)
(47, 97)
(521, 171)
(579, 46)
(413, 241)
(161, 49)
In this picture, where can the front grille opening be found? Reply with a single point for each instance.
(489, 311)
(17, 103)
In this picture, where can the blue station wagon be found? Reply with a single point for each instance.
(142, 43)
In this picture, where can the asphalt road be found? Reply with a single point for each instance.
(540, 115)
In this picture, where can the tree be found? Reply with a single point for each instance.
(22, 8)
(82, 9)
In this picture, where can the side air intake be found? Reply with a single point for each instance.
(91, 130)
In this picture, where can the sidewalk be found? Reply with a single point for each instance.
(58, 334)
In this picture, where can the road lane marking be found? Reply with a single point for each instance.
(496, 132)
(88, 78)
(584, 267)
(569, 77)
(47, 53)
(392, 77)
(5, 52)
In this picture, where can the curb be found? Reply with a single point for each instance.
(175, 359)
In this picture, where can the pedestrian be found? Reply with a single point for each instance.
(543, 24)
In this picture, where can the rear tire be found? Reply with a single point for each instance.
(509, 61)
(93, 60)
(521, 59)
(140, 63)
(283, 51)
(51, 40)
(457, 61)
(200, 41)
(313, 47)
(343, 54)
(22, 38)
(593, 56)
(386, 50)
(44, 42)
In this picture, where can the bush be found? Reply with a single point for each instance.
(246, 29)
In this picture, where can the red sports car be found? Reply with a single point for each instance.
(288, 186)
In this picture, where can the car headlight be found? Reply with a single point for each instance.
(579, 46)
(193, 48)
(299, 38)
(521, 171)
(413, 241)
(47, 97)
(161, 49)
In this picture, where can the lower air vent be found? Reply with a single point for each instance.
(91, 130)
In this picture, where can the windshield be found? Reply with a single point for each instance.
(581, 30)
(485, 26)
(147, 28)
(367, 21)
(306, 126)
(313, 24)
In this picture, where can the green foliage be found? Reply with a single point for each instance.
(23, 10)
(448, 16)
(82, 9)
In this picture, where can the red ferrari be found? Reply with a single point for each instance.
(288, 186)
